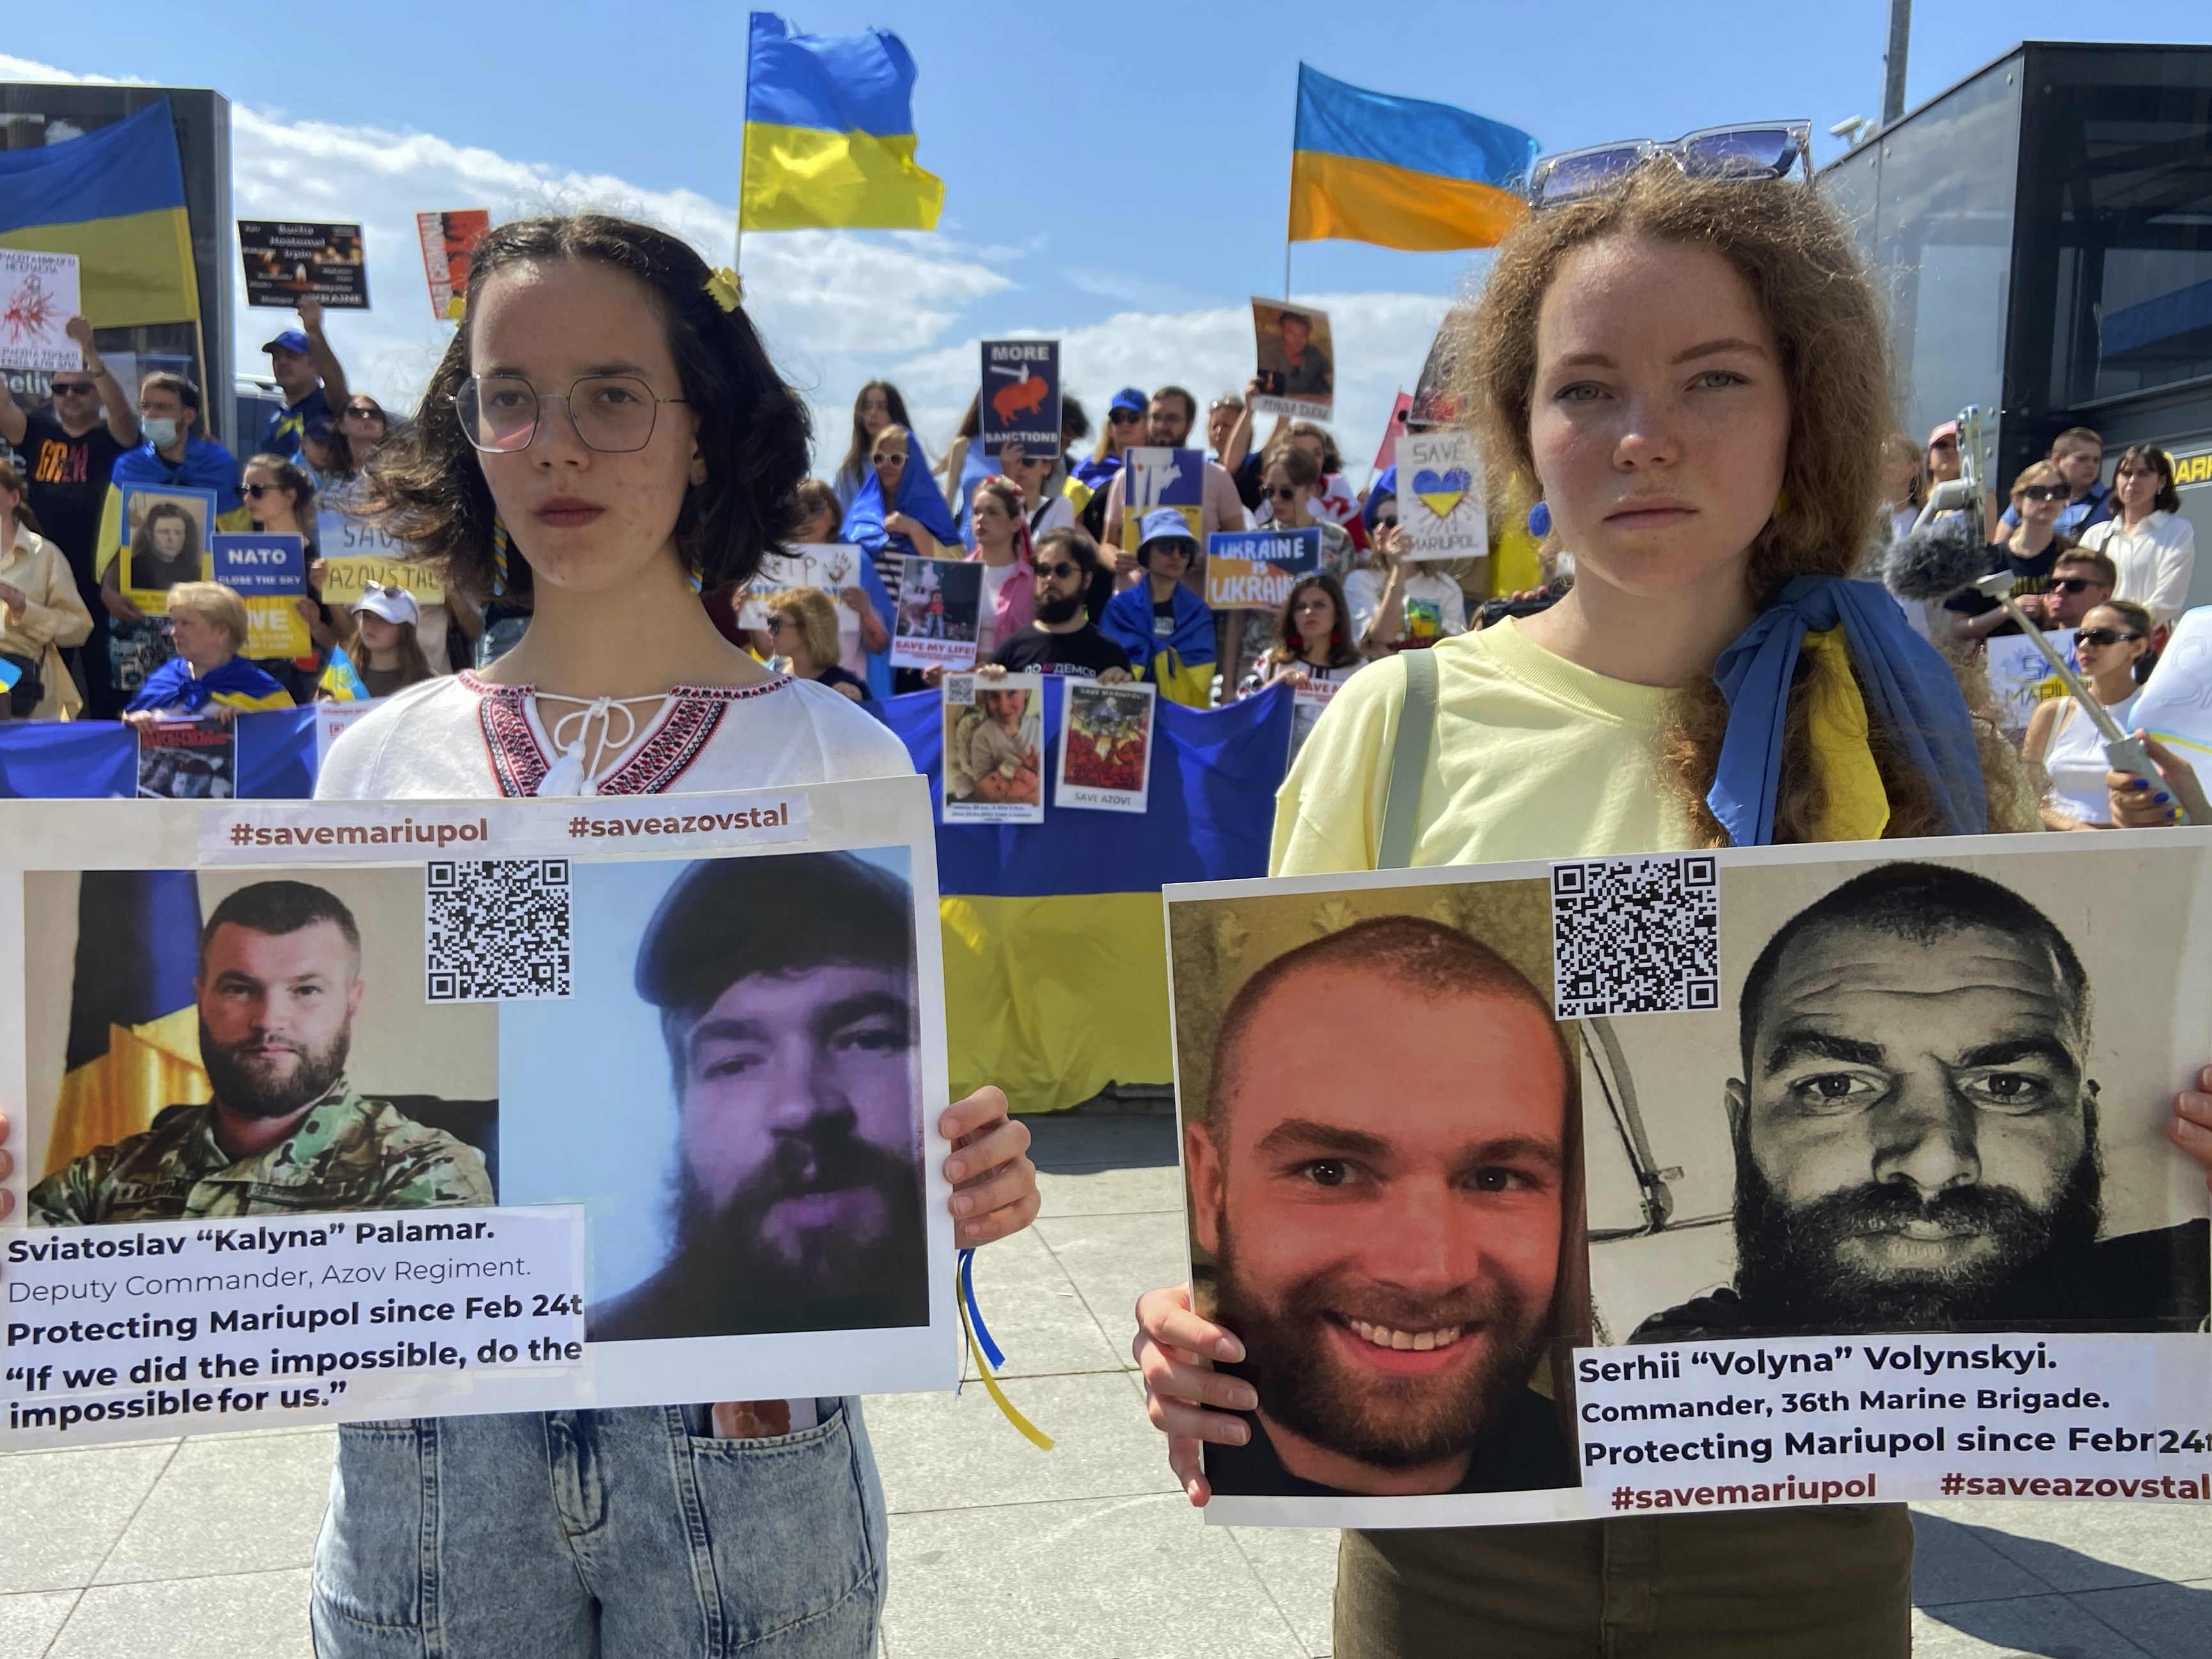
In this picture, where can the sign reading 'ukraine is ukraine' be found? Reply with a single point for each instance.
(829, 136)
(1401, 173)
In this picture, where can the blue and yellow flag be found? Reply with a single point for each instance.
(1401, 173)
(830, 133)
(342, 680)
(114, 197)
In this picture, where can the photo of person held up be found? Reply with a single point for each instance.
(783, 990)
(167, 541)
(1916, 1118)
(1384, 1207)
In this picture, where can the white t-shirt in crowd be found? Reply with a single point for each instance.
(1055, 512)
(1435, 608)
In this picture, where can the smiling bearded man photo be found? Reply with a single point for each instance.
(1385, 1220)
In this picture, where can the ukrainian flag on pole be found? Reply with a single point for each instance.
(830, 133)
(1403, 173)
(115, 197)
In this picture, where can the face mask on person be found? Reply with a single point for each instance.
(160, 429)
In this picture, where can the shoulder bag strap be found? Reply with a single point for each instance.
(1409, 761)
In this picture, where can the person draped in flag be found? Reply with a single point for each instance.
(208, 626)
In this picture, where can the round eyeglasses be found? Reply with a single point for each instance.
(613, 414)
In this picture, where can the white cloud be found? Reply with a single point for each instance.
(836, 308)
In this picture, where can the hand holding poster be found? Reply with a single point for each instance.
(1021, 397)
(286, 261)
(940, 606)
(38, 297)
(1297, 361)
(993, 749)
(269, 573)
(421, 1211)
(1440, 496)
(166, 530)
(1817, 1297)
(448, 240)
(1162, 477)
(1256, 569)
(1106, 746)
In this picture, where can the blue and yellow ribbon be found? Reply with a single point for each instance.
(977, 1337)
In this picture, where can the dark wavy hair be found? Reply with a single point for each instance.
(427, 488)
(1290, 645)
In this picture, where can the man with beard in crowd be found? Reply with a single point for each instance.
(278, 986)
(1915, 1130)
(1387, 1237)
(1064, 639)
(788, 998)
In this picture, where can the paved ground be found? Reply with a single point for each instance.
(200, 1546)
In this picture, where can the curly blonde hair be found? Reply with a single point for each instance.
(1798, 261)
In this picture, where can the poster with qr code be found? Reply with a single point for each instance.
(993, 749)
(363, 1110)
(1751, 1178)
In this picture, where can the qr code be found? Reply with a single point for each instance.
(959, 688)
(1636, 936)
(495, 929)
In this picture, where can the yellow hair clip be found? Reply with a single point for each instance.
(727, 290)
(457, 307)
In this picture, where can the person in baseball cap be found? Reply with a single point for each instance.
(1124, 430)
(381, 649)
(1166, 629)
(307, 373)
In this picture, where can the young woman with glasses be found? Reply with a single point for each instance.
(1684, 365)
(607, 430)
(2065, 742)
(2031, 552)
(2151, 546)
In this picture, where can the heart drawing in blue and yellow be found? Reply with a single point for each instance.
(1443, 492)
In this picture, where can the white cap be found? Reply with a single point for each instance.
(394, 604)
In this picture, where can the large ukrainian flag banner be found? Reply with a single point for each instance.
(1401, 173)
(830, 133)
(1055, 943)
(115, 197)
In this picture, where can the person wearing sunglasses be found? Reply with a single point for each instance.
(2063, 741)
(2031, 553)
(2151, 547)
(2078, 452)
(1397, 602)
(1686, 369)
(1061, 639)
(1170, 414)
(69, 449)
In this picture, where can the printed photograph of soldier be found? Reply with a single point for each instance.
(1294, 353)
(1916, 1123)
(259, 1113)
(1391, 1226)
(770, 1179)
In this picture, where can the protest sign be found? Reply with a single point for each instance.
(1021, 397)
(1162, 477)
(450, 1226)
(832, 566)
(1256, 569)
(1106, 746)
(1386, 453)
(269, 573)
(187, 759)
(939, 602)
(38, 296)
(2021, 676)
(331, 720)
(1440, 496)
(1703, 1054)
(2175, 706)
(357, 555)
(286, 261)
(448, 240)
(1316, 687)
(165, 541)
(993, 749)
(1436, 392)
(1297, 361)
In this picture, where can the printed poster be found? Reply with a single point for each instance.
(1256, 569)
(1440, 496)
(1106, 746)
(2021, 676)
(939, 603)
(269, 573)
(333, 719)
(448, 240)
(286, 261)
(1297, 357)
(1809, 1175)
(832, 566)
(486, 1245)
(357, 555)
(38, 296)
(166, 530)
(1162, 477)
(1021, 397)
(993, 749)
(188, 758)
(2176, 704)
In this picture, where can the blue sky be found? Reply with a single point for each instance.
(1115, 176)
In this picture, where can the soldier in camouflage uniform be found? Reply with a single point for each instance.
(349, 1154)
(277, 987)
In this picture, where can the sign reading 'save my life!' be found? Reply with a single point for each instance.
(1021, 397)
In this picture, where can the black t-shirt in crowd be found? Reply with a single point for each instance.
(2029, 576)
(1082, 655)
(65, 483)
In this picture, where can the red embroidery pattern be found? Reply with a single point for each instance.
(516, 759)
(521, 766)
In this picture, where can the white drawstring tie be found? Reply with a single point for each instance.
(576, 766)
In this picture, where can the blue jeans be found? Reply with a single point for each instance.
(576, 1534)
